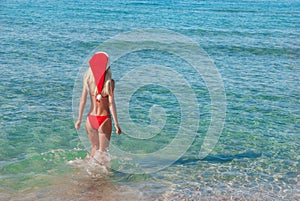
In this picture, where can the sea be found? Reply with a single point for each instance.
(207, 95)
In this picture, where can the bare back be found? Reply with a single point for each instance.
(99, 108)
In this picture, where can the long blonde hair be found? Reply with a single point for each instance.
(90, 85)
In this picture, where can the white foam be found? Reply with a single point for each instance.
(96, 167)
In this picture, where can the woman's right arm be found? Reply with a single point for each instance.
(112, 108)
(81, 107)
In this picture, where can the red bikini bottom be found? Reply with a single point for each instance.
(97, 121)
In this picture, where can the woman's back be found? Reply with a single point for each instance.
(98, 107)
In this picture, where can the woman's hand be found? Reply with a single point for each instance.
(118, 129)
(77, 124)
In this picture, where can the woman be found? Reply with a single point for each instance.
(98, 124)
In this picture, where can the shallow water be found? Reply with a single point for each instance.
(255, 47)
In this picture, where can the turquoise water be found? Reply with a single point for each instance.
(255, 46)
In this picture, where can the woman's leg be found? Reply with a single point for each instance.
(104, 132)
(93, 137)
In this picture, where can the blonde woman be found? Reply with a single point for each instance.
(98, 123)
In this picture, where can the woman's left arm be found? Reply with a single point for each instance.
(112, 108)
